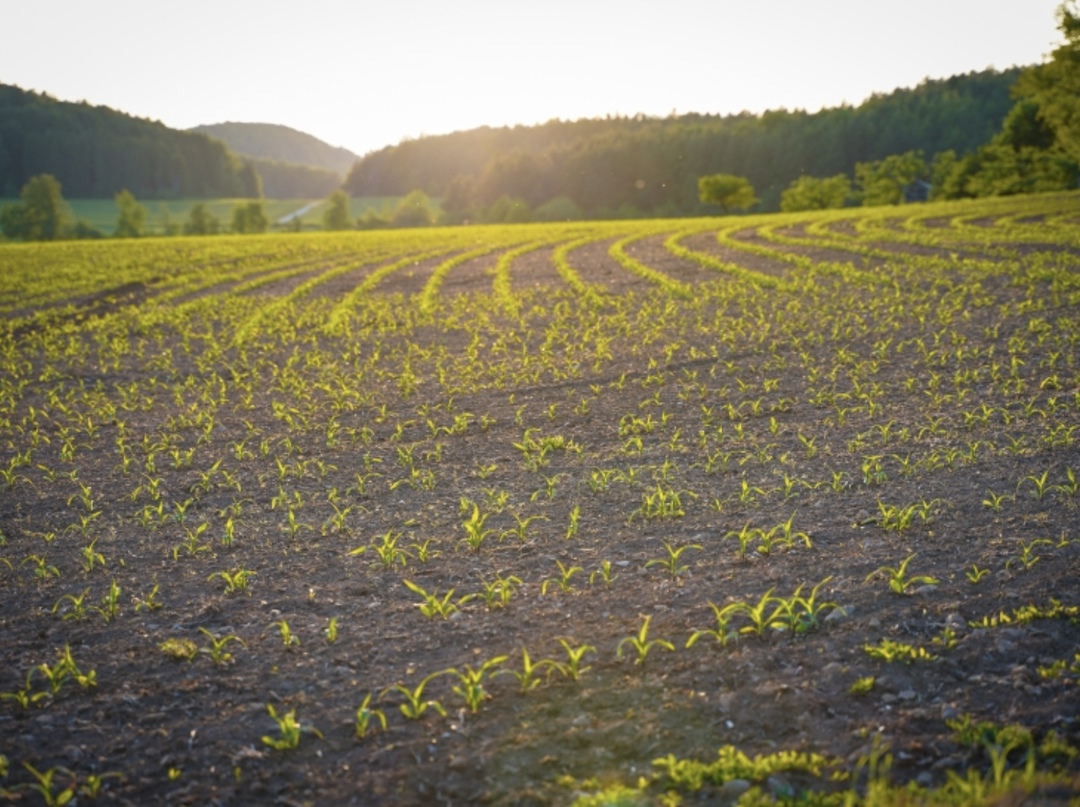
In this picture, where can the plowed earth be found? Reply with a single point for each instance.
(747, 432)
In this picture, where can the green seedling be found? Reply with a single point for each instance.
(603, 573)
(192, 544)
(863, 686)
(1070, 488)
(1039, 484)
(471, 681)
(235, 581)
(288, 638)
(25, 697)
(723, 632)
(91, 557)
(899, 582)
(415, 703)
(1027, 557)
(179, 649)
(216, 648)
(642, 644)
(745, 537)
(149, 602)
(572, 669)
(289, 730)
(424, 552)
(995, 501)
(498, 593)
(42, 568)
(519, 531)
(529, 677)
(110, 603)
(93, 783)
(365, 714)
(78, 605)
(331, 630)
(804, 613)
(475, 534)
(436, 605)
(975, 574)
(45, 787)
(387, 549)
(563, 580)
(760, 619)
(671, 562)
(887, 650)
(575, 516)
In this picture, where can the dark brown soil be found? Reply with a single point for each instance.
(788, 409)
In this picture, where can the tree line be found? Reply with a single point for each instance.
(619, 167)
(43, 215)
(96, 152)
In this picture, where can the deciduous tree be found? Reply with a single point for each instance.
(726, 191)
(132, 219)
(43, 214)
(816, 193)
(337, 216)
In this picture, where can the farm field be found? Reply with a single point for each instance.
(752, 509)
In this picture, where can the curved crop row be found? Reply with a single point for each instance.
(617, 252)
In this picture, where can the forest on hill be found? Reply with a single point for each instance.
(283, 144)
(95, 152)
(642, 165)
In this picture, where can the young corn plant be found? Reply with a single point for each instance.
(573, 669)
(366, 717)
(77, 609)
(603, 573)
(723, 632)
(471, 682)
(642, 644)
(889, 651)
(529, 677)
(563, 580)
(745, 537)
(899, 582)
(415, 703)
(289, 730)
(497, 593)
(288, 638)
(520, 531)
(236, 581)
(110, 603)
(45, 786)
(1027, 557)
(217, 644)
(475, 533)
(436, 605)
(671, 563)
(761, 619)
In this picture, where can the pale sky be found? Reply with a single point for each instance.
(365, 75)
